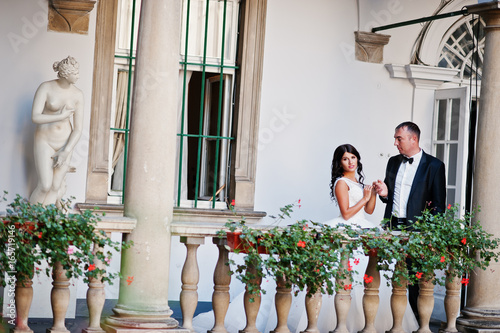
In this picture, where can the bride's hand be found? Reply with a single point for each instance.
(367, 192)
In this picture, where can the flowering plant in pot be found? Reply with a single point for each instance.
(31, 233)
(304, 255)
(450, 241)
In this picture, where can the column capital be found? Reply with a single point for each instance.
(490, 11)
(485, 7)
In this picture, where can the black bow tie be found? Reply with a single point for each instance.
(406, 159)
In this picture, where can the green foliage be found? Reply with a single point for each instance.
(306, 255)
(32, 233)
(451, 241)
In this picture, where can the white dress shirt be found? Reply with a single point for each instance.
(402, 187)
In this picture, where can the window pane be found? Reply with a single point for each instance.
(440, 151)
(441, 119)
(452, 164)
(455, 118)
(450, 196)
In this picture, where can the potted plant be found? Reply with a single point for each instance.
(305, 255)
(31, 233)
(451, 241)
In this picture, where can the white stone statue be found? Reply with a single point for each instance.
(58, 115)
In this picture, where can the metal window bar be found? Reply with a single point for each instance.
(200, 136)
(126, 131)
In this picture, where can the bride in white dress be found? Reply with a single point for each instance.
(354, 199)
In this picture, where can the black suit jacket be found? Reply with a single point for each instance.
(427, 190)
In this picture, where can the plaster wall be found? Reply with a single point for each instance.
(28, 51)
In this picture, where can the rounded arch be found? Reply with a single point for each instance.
(427, 48)
(462, 47)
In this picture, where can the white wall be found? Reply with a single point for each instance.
(324, 98)
(28, 52)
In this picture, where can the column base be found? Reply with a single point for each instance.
(57, 330)
(93, 330)
(14, 330)
(114, 329)
(474, 320)
(134, 324)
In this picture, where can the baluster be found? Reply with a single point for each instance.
(371, 298)
(59, 298)
(222, 279)
(96, 296)
(313, 306)
(252, 308)
(283, 302)
(399, 300)
(190, 277)
(452, 301)
(23, 299)
(425, 304)
(343, 300)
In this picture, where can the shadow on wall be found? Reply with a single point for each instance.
(25, 130)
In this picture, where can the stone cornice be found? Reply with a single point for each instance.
(424, 77)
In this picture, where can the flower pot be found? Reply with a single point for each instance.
(236, 243)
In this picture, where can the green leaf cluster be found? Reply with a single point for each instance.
(32, 233)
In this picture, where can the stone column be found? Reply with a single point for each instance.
(482, 311)
(143, 299)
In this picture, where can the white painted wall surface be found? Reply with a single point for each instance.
(28, 51)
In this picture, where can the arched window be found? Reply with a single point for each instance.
(463, 47)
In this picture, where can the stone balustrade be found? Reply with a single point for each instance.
(193, 236)
(60, 294)
(283, 296)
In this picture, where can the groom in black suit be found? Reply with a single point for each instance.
(413, 182)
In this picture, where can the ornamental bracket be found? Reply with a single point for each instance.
(70, 16)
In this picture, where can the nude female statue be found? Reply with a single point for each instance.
(58, 114)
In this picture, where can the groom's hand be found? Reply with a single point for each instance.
(381, 188)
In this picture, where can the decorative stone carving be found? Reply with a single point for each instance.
(70, 15)
(370, 46)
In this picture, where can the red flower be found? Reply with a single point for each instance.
(465, 281)
(449, 206)
(419, 275)
(232, 202)
(317, 270)
(130, 279)
(91, 267)
(349, 267)
(40, 235)
(301, 244)
(368, 279)
(464, 241)
(356, 261)
(299, 203)
(443, 259)
(348, 287)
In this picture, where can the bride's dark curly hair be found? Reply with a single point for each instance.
(338, 171)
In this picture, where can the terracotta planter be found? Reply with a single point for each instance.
(29, 227)
(236, 243)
